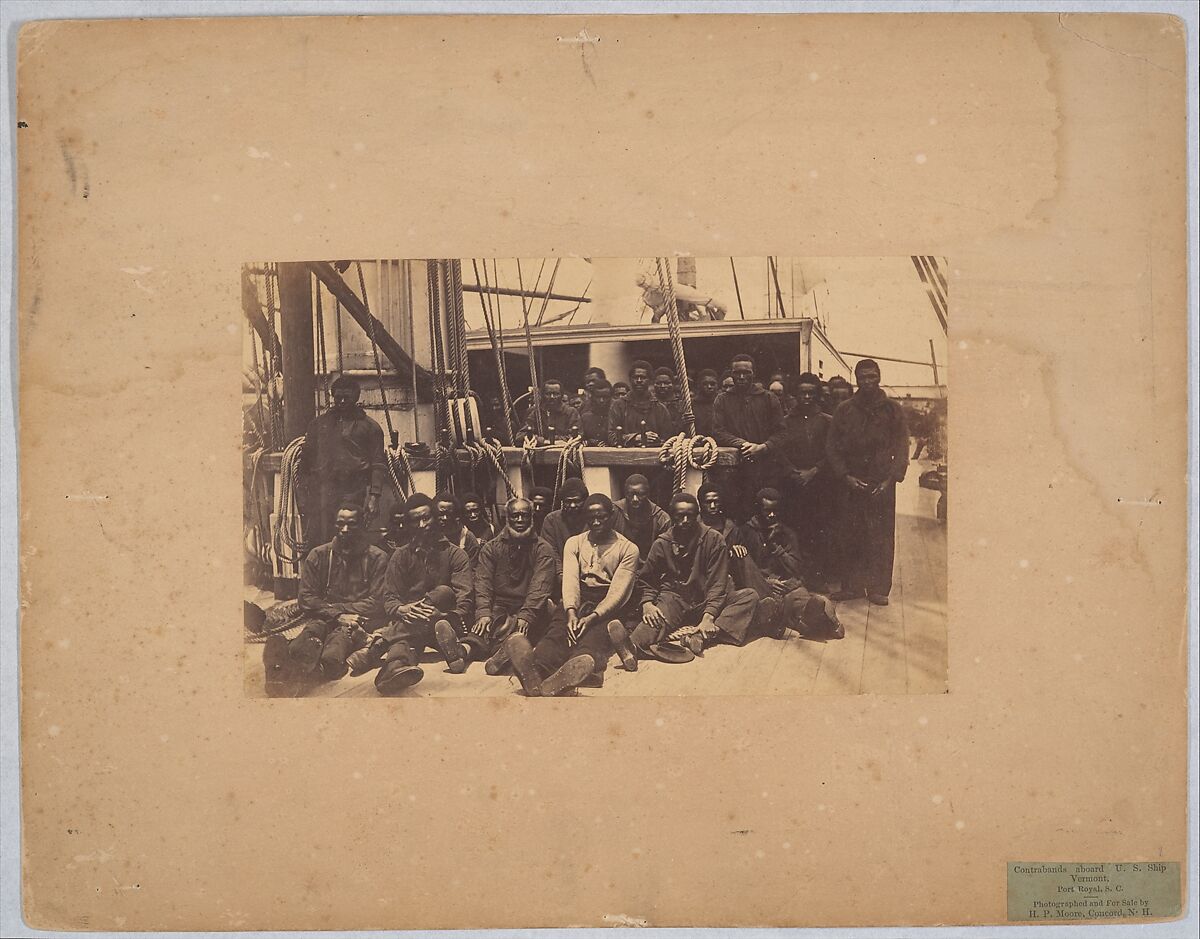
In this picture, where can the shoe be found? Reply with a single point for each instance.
(305, 652)
(618, 635)
(520, 654)
(567, 678)
(450, 647)
(498, 664)
(845, 594)
(694, 644)
(367, 658)
(834, 629)
(393, 678)
(879, 599)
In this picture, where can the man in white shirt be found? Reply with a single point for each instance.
(599, 573)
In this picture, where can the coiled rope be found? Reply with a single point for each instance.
(681, 451)
(288, 534)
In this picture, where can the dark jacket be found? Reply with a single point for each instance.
(698, 573)
(777, 555)
(801, 443)
(593, 427)
(562, 420)
(641, 531)
(414, 570)
(704, 416)
(513, 577)
(555, 532)
(628, 414)
(868, 439)
(755, 417)
(345, 448)
(333, 582)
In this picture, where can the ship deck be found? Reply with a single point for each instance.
(897, 649)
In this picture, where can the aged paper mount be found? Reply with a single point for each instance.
(1043, 156)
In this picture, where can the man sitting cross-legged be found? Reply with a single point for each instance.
(514, 578)
(686, 588)
(427, 597)
(340, 587)
(599, 571)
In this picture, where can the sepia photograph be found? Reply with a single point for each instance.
(595, 476)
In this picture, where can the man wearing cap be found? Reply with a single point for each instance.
(787, 574)
(448, 512)
(666, 394)
(639, 419)
(342, 463)
(428, 599)
(685, 585)
(563, 523)
(747, 418)
(341, 583)
(559, 419)
(868, 454)
(542, 500)
(800, 452)
(636, 517)
(599, 574)
(474, 517)
(593, 419)
(514, 580)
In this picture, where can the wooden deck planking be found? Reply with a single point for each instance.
(842, 661)
(887, 650)
(885, 657)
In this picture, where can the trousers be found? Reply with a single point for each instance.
(407, 639)
(868, 537)
(733, 622)
(555, 648)
(484, 647)
(337, 642)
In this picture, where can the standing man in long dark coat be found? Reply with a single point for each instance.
(747, 418)
(800, 450)
(868, 454)
(344, 462)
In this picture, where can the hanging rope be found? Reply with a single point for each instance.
(685, 449)
(460, 328)
(494, 340)
(337, 325)
(534, 385)
(496, 455)
(668, 285)
(412, 347)
(270, 274)
(682, 451)
(572, 453)
(288, 534)
(362, 289)
(323, 393)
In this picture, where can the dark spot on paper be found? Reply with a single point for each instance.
(22, 124)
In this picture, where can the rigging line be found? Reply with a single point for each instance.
(494, 341)
(412, 348)
(778, 291)
(362, 286)
(737, 289)
(534, 390)
(933, 280)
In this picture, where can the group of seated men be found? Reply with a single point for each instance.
(552, 595)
